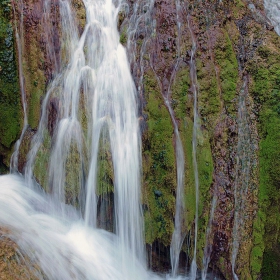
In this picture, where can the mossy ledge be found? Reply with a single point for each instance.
(10, 101)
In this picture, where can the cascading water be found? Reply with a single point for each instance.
(272, 8)
(194, 144)
(96, 75)
(140, 23)
(178, 233)
(57, 242)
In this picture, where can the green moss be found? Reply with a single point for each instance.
(79, 7)
(182, 104)
(41, 164)
(105, 174)
(209, 103)
(9, 90)
(228, 70)
(265, 89)
(35, 82)
(73, 175)
(205, 173)
(189, 174)
(271, 266)
(158, 167)
(238, 8)
(123, 36)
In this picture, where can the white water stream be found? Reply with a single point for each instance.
(272, 8)
(96, 74)
(179, 234)
(58, 241)
(194, 145)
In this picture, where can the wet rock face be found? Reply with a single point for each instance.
(24, 149)
(224, 137)
(163, 47)
(12, 263)
(38, 27)
(41, 27)
(9, 89)
(53, 114)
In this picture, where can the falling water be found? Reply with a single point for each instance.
(140, 24)
(178, 233)
(114, 107)
(242, 173)
(62, 91)
(60, 245)
(96, 73)
(272, 8)
(194, 143)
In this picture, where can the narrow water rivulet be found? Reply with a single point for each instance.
(194, 145)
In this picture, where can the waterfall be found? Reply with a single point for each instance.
(96, 76)
(194, 144)
(272, 8)
(139, 23)
(57, 242)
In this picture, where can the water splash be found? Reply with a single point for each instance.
(60, 244)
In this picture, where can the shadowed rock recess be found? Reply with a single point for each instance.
(236, 75)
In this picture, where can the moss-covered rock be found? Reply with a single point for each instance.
(265, 88)
(10, 107)
(159, 168)
(225, 58)
(13, 263)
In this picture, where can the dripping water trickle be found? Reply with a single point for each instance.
(194, 145)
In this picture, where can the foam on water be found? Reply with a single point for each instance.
(61, 244)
